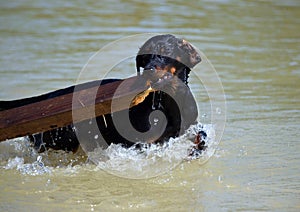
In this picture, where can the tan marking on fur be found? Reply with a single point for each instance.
(173, 70)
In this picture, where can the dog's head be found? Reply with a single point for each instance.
(164, 56)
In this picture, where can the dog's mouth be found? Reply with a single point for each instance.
(157, 78)
(161, 81)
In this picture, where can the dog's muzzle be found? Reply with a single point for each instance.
(157, 77)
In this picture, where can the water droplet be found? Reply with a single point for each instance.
(220, 179)
(96, 136)
(39, 158)
(218, 110)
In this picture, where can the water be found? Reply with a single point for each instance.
(254, 46)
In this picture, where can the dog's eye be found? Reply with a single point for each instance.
(149, 69)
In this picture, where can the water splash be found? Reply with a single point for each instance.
(33, 169)
(139, 161)
(145, 161)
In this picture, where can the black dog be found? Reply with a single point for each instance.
(165, 110)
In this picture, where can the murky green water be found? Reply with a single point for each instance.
(254, 46)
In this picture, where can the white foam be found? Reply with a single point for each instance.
(35, 168)
(152, 160)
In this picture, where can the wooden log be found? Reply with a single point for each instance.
(57, 111)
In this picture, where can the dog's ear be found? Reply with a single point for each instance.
(142, 60)
(187, 54)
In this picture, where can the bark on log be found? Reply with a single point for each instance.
(57, 112)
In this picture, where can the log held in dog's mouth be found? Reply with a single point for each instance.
(139, 98)
(154, 81)
(54, 110)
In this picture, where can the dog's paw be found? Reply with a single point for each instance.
(199, 145)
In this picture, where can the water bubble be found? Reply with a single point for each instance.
(218, 110)
(155, 120)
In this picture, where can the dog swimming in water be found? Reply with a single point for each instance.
(163, 111)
